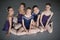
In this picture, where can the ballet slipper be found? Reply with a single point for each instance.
(50, 30)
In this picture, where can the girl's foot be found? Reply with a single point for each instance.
(50, 29)
(42, 29)
(8, 34)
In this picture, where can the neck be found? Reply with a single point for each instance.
(28, 14)
(36, 12)
(10, 15)
(21, 12)
(48, 10)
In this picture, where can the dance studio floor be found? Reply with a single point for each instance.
(39, 36)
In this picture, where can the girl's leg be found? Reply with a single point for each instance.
(17, 26)
(33, 31)
(33, 26)
(50, 27)
(41, 29)
(13, 31)
(21, 30)
(7, 34)
(21, 33)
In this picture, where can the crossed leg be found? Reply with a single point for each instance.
(49, 27)
(13, 31)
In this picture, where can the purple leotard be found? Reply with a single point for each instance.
(44, 19)
(20, 18)
(6, 25)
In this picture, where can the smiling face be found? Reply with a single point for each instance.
(28, 11)
(36, 10)
(11, 11)
(22, 7)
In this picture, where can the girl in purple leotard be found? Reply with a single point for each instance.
(45, 19)
(21, 13)
(9, 24)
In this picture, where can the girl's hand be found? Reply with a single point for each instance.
(45, 28)
(37, 25)
(25, 28)
(45, 25)
(42, 25)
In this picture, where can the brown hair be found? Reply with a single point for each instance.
(48, 4)
(8, 8)
(23, 4)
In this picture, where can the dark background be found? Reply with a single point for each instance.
(29, 3)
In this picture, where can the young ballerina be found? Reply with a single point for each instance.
(19, 17)
(21, 12)
(45, 19)
(9, 24)
(27, 18)
(36, 15)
